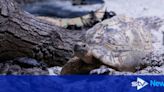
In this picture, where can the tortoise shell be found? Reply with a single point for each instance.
(120, 42)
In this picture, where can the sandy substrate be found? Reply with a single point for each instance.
(136, 8)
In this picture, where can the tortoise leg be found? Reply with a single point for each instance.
(77, 66)
(103, 70)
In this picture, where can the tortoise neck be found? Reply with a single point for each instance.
(88, 59)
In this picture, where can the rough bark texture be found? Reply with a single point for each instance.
(21, 34)
(22, 2)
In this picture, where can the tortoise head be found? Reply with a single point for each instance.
(80, 49)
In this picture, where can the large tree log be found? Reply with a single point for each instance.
(22, 34)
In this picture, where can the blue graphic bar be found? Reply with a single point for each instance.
(77, 83)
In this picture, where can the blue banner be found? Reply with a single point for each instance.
(77, 83)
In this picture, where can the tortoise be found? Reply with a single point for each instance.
(85, 21)
(71, 18)
(120, 43)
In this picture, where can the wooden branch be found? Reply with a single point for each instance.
(22, 34)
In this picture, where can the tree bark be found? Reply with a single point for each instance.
(22, 2)
(22, 34)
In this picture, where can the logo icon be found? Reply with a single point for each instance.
(140, 83)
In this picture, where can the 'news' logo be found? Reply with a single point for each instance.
(140, 83)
